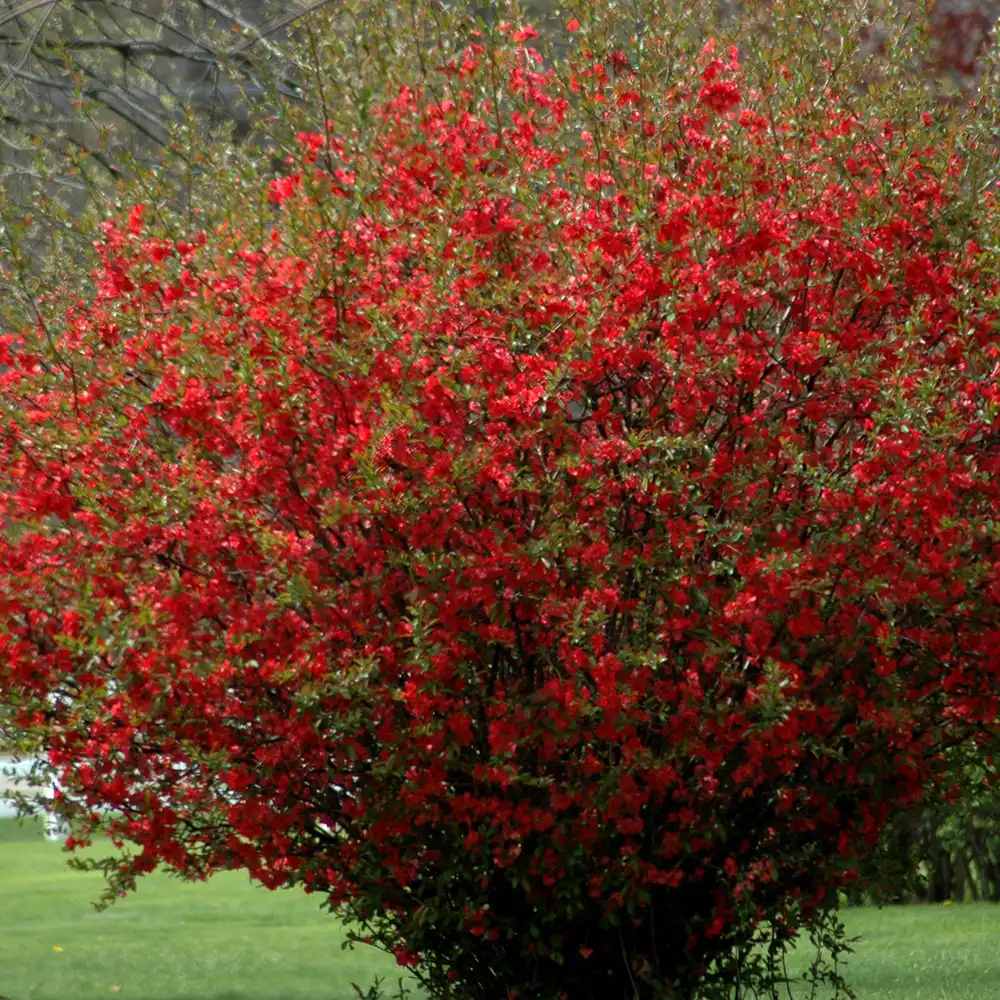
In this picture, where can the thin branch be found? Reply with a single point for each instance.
(235, 18)
(134, 47)
(29, 46)
(25, 9)
(277, 25)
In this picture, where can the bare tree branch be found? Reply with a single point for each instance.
(29, 45)
(137, 64)
(281, 22)
(25, 8)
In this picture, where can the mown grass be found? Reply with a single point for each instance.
(931, 952)
(172, 940)
(229, 940)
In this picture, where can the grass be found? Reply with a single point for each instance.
(229, 940)
(172, 940)
(932, 952)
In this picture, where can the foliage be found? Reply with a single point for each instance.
(557, 523)
(949, 849)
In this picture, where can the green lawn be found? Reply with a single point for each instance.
(228, 940)
(172, 940)
(929, 952)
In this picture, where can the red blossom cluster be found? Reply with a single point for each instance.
(562, 540)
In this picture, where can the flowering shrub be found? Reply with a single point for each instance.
(562, 540)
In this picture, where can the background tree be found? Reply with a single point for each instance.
(97, 81)
(97, 94)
